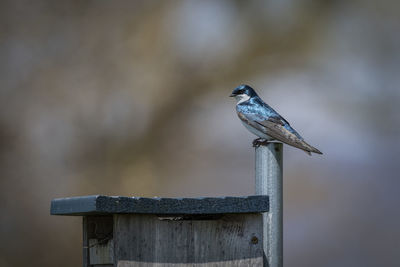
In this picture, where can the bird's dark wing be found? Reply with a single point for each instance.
(278, 129)
(277, 120)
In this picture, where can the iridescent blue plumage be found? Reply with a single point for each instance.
(256, 107)
(262, 120)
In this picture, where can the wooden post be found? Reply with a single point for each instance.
(269, 182)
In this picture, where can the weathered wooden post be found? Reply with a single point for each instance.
(201, 232)
(269, 182)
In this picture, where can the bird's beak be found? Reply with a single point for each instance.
(232, 95)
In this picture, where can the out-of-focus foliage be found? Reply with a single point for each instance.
(131, 98)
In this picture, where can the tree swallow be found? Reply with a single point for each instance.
(263, 121)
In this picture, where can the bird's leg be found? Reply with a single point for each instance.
(255, 142)
(259, 142)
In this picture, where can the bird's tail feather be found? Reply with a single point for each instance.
(309, 148)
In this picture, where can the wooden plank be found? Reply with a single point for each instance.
(236, 263)
(85, 245)
(101, 252)
(97, 240)
(103, 205)
(145, 240)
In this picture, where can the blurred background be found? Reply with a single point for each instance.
(131, 98)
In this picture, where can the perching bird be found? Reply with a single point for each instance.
(263, 121)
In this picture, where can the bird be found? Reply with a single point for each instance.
(263, 121)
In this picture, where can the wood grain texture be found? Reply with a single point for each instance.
(85, 245)
(97, 241)
(145, 240)
(235, 263)
(101, 252)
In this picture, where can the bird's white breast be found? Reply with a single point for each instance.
(257, 132)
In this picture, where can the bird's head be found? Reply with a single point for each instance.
(243, 93)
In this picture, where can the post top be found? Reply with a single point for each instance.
(102, 205)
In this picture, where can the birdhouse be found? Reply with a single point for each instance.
(131, 231)
(178, 232)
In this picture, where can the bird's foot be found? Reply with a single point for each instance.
(260, 142)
